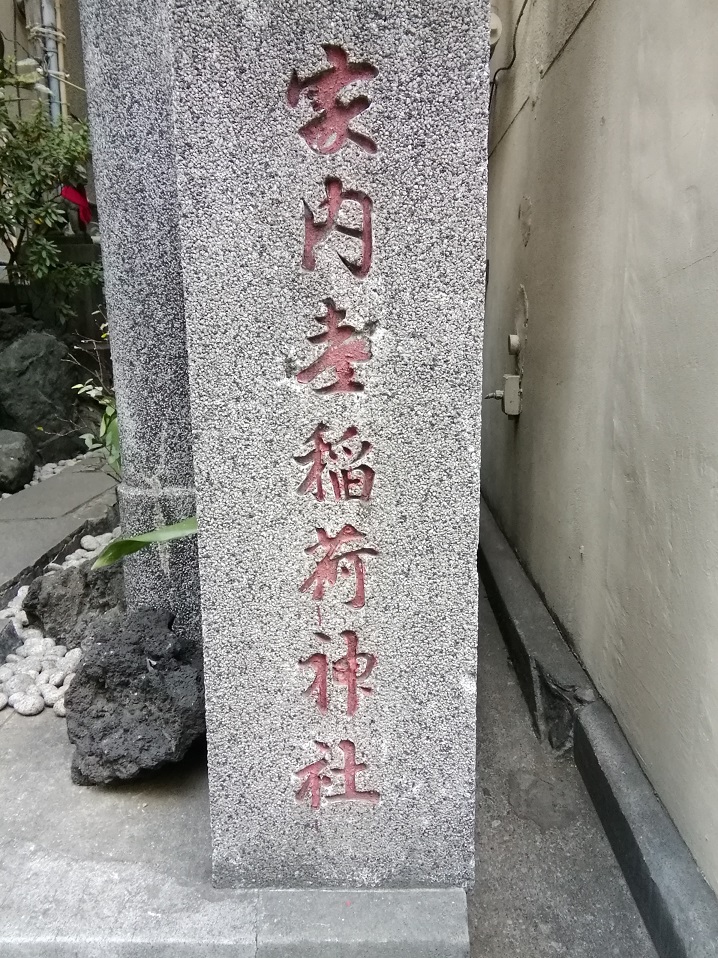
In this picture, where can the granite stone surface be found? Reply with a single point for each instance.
(165, 575)
(254, 287)
(129, 81)
(278, 170)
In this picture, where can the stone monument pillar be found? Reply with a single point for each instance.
(332, 179)
(128, 68)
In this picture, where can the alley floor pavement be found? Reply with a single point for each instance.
(548, 883)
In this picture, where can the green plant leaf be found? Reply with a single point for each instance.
(124, 547)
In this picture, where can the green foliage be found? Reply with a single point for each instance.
(124, 547)
(38, 157)
(108, 437)
(92, 356)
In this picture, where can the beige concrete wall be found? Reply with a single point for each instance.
(9, 31)
(69, 13)
(12, 26)
(603, 232)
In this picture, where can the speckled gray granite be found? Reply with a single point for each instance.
(129, 77)
(291, 708)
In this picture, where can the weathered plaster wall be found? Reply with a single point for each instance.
(14, 35)
(76, 99)
(603, 206)
(9, 23)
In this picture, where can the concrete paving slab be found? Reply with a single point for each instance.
(162, 823)
(125, 868)
(60, 495)
(125, 910)
(44, 522)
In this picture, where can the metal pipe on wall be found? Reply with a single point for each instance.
(52, 62)
(42, 29)
(62, 70)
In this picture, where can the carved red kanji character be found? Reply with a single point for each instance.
(319, 687)
(351, 670)
(318, 776)
(345, 346)
(342, 461)
(333, 559)
(316, 232)
(329, 131)
(315, 777)
(350, 770)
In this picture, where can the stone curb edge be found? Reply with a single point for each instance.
(678, 907)
(551, 678)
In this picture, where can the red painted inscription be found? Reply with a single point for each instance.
(321, 775)
(336, 462)
(345, 346)
(315, 232)
(340, 462)
(329, 131)
(338, 556)
(351, 670)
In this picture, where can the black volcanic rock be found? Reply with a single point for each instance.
(137, 700)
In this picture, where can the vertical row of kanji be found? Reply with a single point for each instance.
(337, 466)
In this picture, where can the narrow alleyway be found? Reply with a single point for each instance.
(548, 883)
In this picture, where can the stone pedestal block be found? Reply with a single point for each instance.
(331, 166)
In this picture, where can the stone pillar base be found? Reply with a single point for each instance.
(141, 921)
(127, 876)
(396, 923)
(166, 574)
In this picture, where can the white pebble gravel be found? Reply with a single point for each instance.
(38, 672)
(73, 657)
(19, 682)
(27, 703)
(50, 694)
(57, 677)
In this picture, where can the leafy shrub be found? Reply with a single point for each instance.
(37, 158)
